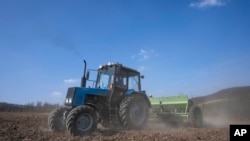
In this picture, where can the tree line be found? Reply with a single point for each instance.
(29, 107)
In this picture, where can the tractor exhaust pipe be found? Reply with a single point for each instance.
(84, 79)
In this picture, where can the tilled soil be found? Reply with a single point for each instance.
(34, 127)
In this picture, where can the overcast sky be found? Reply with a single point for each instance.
(193, 47)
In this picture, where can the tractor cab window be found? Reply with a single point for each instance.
(121, 80)
(105, 78)
(133, 81)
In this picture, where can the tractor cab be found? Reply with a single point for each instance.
(118, 80)
(116, 76)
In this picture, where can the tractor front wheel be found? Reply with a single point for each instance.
(134, 112)
(56, 119)
(81, 120)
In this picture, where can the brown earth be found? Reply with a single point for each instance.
(33, 127)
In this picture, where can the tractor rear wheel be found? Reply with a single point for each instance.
(134, 112)
(56, 119)
(195, 116)
(81, 120)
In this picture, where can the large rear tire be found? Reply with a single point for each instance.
(56, 119)
(195, 116)
(134, 112)
(81, 120)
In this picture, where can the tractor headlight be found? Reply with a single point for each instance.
(68, 100)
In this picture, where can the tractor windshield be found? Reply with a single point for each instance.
(105, 77)
(133, 81)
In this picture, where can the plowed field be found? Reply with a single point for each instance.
(34, 127)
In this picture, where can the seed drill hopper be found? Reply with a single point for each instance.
(176, 110)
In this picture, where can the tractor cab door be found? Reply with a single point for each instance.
(116, 93)
(119, 86)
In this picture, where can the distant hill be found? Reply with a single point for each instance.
(227, 106)
(234, 93)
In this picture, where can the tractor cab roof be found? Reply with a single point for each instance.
(110, 65)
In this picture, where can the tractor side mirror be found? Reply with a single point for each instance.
(142, 76)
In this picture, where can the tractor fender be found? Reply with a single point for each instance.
(98, 115)
(143, 94)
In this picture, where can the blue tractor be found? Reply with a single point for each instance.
(114, 100)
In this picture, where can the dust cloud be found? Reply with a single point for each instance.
(222, 113)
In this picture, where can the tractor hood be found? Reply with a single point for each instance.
(76, 95)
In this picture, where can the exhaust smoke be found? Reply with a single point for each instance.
(56, 38)
(63, 42)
